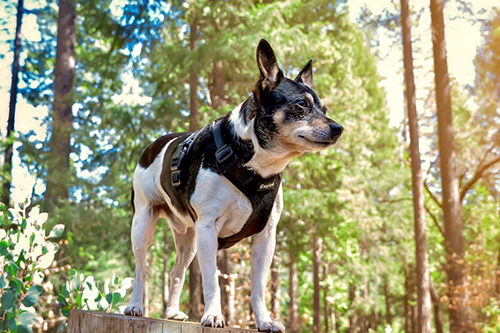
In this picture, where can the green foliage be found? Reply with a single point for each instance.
(25, 252)
(27, 261)
(82, 292)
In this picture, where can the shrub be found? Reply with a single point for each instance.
(27, 296)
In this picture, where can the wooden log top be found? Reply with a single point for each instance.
(99, 322)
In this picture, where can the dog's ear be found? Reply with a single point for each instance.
(270, 73)
(306, 75)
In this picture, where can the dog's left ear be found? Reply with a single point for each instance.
(270, 73)
(306, 75)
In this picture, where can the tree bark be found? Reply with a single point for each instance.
(225, 266)
(58, 173)
(195, 292)
(326, 309)
(275, 288)
(458, 315)
(497, 276)
(217, 90)
(406, 300)
(353, 318)
(438, 320)
(317, 289)
(165, 281)
(293, 287)
(194, 114)
(12, 106)
(422, 258)
(388, 312)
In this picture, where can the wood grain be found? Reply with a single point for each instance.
(98, 322)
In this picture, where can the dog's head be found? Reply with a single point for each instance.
(289, 115)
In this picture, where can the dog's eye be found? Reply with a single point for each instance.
(302, 103)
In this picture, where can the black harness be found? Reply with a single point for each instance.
(261, 192)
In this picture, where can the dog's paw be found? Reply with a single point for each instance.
(134, 310)
(271, 326)
(213, 320)
(176, 314)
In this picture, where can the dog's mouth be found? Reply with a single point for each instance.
(322, 143)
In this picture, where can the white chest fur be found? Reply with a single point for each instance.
(216, 199)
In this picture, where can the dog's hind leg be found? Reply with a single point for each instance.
(143, 228)
(185, 250)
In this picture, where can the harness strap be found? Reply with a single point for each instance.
(227, 162)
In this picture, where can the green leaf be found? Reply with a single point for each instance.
(36, 289)
(3, 283)
(30, 299)
(11, 269)
(56, 231)
(24, 329)
(109, 297)
(27, 318)
(11, 324)
(16, 285)
(8, 300)
(65, 311)
(4, 248)
(113, 298)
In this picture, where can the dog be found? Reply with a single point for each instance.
(222, 184)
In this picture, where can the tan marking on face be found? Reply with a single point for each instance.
(310, 98)
(321, 103)
(319, 122)
(278, 117)
(287, 138)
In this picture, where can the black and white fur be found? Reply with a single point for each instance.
(282, 119)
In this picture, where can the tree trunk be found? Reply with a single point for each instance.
(275, 288)
(195, 292)
(293, 287)
(225, 266)
(326, 309)
(12, 106)
(317, 289)
(422, 258)
(58, 173)
(497, 276)
(217, 90)
(438, 320)
(166, 254)
(333, 321)
(353, 318)
(414, 319)
(458, 315)
(406, 300)
(194, 114)
(388, 312)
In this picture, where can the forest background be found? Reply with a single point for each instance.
(122, 73)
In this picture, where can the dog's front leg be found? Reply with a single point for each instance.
(263, 247)
(206, 240)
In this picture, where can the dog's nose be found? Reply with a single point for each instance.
(336, 129)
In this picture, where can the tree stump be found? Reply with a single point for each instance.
(98, 322)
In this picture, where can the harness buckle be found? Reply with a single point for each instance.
(223, 154)
(175, 178)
